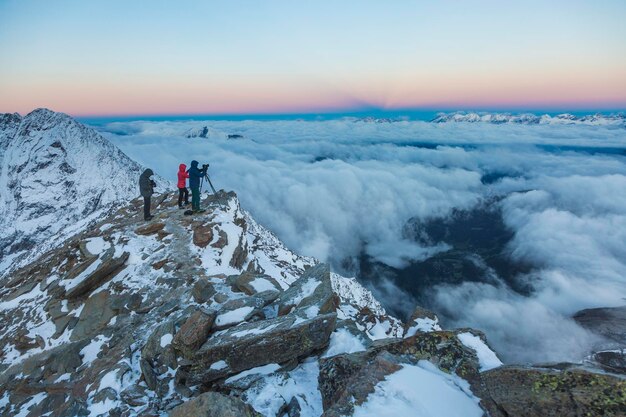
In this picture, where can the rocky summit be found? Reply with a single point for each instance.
(211, 315)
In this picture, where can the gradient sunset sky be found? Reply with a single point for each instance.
(254, 57)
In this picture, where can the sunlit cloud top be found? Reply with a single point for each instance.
(185, 57)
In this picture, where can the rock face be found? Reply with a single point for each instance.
(537, 393)
(213, 404)
(255, 344)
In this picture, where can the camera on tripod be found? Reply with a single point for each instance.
(205, 167)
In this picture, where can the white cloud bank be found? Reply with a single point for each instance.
(337, 189)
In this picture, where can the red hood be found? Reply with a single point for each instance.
(182, 168)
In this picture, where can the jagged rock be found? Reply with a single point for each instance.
(95, 316)
(150, 228)
(158, 349)
(421, 320)
(240, 254)
(148, 374)
(202, 234)
(313, 290)
(251, 284)
(238, 310)
(103, 273)
(202, 291)
(214, 404)
(194, 332)
(531, 392)
(255, 344)
(607, 322)
(346, 380)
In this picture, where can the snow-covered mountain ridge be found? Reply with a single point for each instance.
(618, 120)
(56, 176)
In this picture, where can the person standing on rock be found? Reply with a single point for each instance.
(146, 188)
(182, 185)
(195, 175)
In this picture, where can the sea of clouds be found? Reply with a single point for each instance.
(338, 189)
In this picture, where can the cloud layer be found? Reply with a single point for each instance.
(342, 188)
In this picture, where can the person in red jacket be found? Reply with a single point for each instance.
(182, 185)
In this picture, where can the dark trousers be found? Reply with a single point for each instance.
(195, 198)
(183, 194)
(146, 207)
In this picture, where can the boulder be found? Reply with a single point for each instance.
(203, 234)
(251, 284)
(214, 404)
(194, 332)
(346, 380)
(529, 392)
(104, 272)
(150, 228)
(202, 291)
(250, 345)
(607, 322)
(312, 293)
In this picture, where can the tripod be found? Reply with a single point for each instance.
(206, 177)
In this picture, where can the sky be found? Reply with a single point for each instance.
(263, 57)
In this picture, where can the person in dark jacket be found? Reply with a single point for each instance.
(146, 188)
(195, 174)
(182, 185)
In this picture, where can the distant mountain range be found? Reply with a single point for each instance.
(618, 120)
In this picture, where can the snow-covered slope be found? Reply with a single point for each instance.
(618, 120)
(103, 327)
(56, 176)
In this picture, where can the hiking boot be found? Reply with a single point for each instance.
(148, 218)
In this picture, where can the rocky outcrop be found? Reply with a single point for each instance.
(539, 392)
(347, 380)
(421, 320)
(213, 404)
(255, 344)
